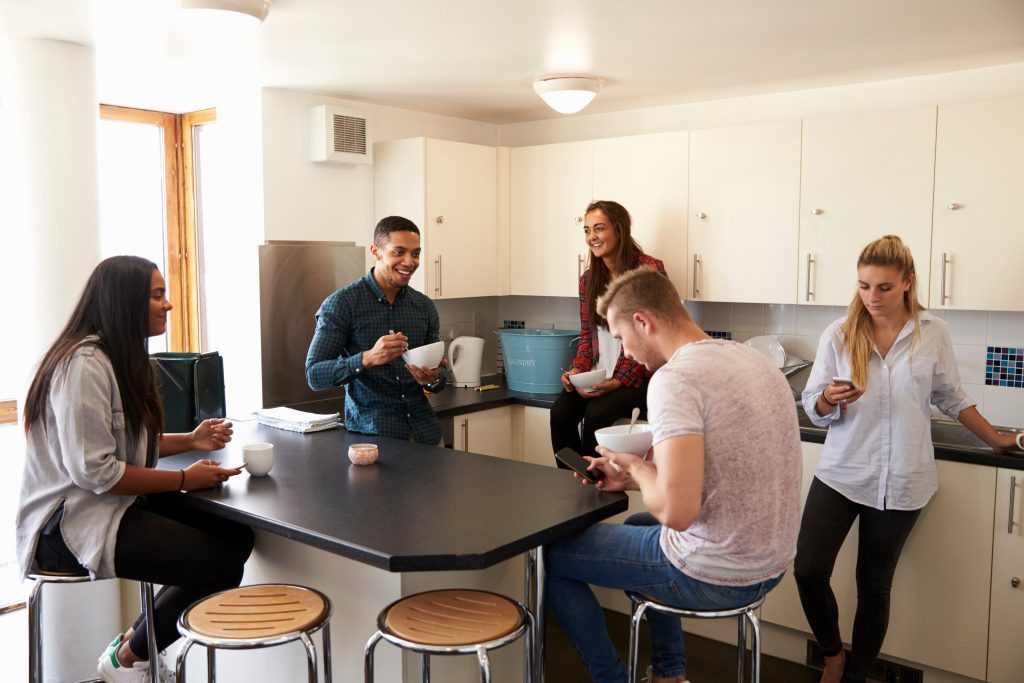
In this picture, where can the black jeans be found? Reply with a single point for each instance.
(828, 516)
(191, 554)
(595, 413)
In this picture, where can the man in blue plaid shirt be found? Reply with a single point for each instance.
(361, 332)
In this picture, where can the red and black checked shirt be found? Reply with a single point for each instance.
(627, 371)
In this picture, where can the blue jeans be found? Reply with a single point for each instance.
(630, 558)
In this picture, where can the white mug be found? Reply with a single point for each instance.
(258, 458)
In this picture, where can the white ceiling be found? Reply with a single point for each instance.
(476, 59)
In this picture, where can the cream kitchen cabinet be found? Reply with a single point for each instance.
(782, 605)
(550, 187)
(488, 432)
(863, 176)
(978, 224)
(531, 434)
(648, 175)
(1006, 621)
(450, 190)
(744, 199)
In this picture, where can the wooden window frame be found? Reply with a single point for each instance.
(181, 233)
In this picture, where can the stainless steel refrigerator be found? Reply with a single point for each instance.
(295, 278)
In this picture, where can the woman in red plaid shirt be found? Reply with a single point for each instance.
(613, 251)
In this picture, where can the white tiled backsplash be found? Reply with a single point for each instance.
(798, 328)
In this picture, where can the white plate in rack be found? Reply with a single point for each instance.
(770, 348)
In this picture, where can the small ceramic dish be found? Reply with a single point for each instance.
(363, 453)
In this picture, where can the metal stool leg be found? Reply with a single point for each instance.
(211, 664)
(530, 663)
(755, 647)
(368, 657)
(180, 662)
(35, 625)
(310, 656)
(146, 589)
(741, 646)
(634, 639)
(485, 665)
(326, 636)
(425, 668)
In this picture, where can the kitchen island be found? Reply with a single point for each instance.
(422, 517)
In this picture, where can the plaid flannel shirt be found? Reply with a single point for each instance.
(627, 371)
(385, 399)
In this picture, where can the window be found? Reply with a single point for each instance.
(148, 190)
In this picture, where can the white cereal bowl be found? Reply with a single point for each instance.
(428, 355)
(585, 380)
(615, 438)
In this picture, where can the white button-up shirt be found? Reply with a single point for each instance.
(878, 451)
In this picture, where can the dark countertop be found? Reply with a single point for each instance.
(419, 508)
(952, 440)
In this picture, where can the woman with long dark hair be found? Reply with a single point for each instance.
(878, 463)
(612, 251)
(94, 427)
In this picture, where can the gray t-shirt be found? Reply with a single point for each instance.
(750, 505)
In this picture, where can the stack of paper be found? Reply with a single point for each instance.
(296, 420)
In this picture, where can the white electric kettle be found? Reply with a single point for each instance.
(465, 354)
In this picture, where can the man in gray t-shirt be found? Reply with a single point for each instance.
(722, 480)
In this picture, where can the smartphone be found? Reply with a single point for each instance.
(577, 464)
(844, 380)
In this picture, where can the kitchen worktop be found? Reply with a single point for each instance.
(952, 440)
(419, 508)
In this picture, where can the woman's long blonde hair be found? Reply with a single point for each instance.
(858, 330)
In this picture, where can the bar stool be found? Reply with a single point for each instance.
(35, 621)
(743, 613)
(253, 617)
(452, 622)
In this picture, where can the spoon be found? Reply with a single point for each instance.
(632, 420)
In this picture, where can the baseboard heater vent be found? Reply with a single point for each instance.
(881, 669)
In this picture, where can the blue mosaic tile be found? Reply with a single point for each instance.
(1004, 366)
(718, 335)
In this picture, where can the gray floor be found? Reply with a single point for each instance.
(708, 661)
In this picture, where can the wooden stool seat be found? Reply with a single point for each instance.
(251, 612)
(453, 617)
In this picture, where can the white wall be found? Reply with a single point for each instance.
(309, 201)
(958, 86)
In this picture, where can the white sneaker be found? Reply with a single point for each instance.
(650, 675)
(111, 672)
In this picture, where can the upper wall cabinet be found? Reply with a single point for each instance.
(550, 189)
(450, 190)
(863, 176)
(744, 198)
(978, 233)
(647, 174)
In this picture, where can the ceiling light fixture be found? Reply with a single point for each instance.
(257, 9)
(567, 94)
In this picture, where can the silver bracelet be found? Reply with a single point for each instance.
(1018, 440)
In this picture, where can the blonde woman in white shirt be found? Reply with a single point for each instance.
(878, 462)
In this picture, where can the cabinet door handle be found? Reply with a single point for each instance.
(437, 268)
(811, 262)
(579, 266)
(1013, 493)
(817, 212)
(465, 434)
(698, 266)
(701, 215)
(439, 220)
(578, 219)
(943, 296)
(953, 206)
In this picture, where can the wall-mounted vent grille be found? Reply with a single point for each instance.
(881, 669)
(339, 136)
(349, 134)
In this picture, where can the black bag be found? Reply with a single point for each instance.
(191, 388)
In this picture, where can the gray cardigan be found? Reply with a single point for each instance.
(75, 454)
